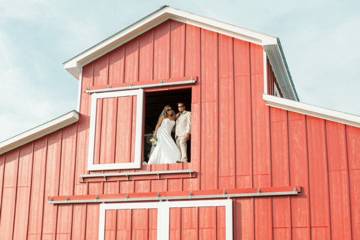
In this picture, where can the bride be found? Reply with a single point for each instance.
(165, 150)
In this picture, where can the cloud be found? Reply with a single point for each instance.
(324, 63)
(21, 103)
(23, 10)
(34, 86)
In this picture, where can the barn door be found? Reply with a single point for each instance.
(132, 224)
(190, 220)
(115, 139)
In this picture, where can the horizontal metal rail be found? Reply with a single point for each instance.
(292, 191)
(144, 86)
(128, 175)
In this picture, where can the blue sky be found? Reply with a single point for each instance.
(320, 40)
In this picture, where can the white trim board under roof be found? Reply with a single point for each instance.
(271, 44)
(310, 110)
(39, 131)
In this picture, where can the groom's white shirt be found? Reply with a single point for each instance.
(183, 124)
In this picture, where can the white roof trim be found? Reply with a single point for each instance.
(294, 106)
(39, 131)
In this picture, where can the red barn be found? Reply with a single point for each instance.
(262, 164)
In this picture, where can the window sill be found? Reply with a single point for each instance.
(141, 175)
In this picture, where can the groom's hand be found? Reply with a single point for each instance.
(187, 136)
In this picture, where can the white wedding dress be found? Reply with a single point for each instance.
(166, 150)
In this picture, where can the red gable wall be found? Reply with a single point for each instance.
(237, 142)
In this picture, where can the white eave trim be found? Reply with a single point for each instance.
(39, 131)
(74, 64)
(294, 106)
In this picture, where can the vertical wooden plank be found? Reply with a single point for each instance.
(98, 127)
(9, 194)
(209, 110)
(101, 71)
(338, 181)
(177, 49)
(86, 83)
(226, 114)
(318, 177)
(37, 189)
(243, 131)
(133, 127)
(243, 114)
(192, 68)
(353, 146)
(146, 56)
(140, 225)
(189, 223)
(175, 224)
(23, 191)
(124, 128)
(300, 207)
(153, 213)
(123, 224)
(280, 173)
(162, 51)
(207, 223)
(116, 67)
(131, 61)
(111, 217)
(109, 115)
(261, 144)
(110, 225)
(68, 154)
(220, 223)
(53, 167)
(92, 222)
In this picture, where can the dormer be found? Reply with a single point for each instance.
(167, 57)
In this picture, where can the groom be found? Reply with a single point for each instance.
(182, 130)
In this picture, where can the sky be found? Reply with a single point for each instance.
(320, 40)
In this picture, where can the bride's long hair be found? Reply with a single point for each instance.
(163, 112)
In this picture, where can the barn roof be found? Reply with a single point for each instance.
(39, 131)
(272, 45)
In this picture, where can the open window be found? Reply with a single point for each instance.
(208, 219)
(154, 104)
(123, 119)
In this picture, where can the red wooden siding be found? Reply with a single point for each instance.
(115, 130)
(237, 142)
(137, 224)
(197, 223)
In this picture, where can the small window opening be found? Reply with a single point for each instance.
(154, 105)
(277, 92)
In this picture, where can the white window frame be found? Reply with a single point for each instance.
(139, 93)
(163, 219)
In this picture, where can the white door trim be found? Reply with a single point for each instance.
(163, 208)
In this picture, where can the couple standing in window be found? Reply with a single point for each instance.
(166, 150)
